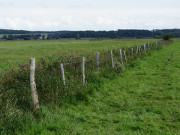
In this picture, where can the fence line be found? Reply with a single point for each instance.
(139, 51)
(121, 54)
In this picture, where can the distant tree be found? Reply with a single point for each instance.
(4, 37)
(123, 33)
(27, 38)
(49, 37)
(78, 36)
(167, 36)
(10, 37)
(157, 37)
(43, 37)
(140, 37)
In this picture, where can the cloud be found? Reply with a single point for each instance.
(49, 23)
(1, 23)
(30, 24)
(106, 21)
(17, 23)
(13, 22)
(67, 19)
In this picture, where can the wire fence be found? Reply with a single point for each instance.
(65, 79)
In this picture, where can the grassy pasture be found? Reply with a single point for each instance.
(142, 100)
(13, 53)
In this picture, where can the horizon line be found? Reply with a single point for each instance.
(85, 30)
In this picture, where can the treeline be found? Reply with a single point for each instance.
(27, 35)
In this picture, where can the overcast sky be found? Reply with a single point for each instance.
(89, 14)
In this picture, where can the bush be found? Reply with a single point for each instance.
(157, 37)
(167, 36)
(140, 37)
(27, 38)
(10, 38)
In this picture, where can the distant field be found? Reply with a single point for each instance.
(13, 53)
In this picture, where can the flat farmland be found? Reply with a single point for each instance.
(13, 53)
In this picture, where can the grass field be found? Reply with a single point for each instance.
(13, 53)
(144, 99)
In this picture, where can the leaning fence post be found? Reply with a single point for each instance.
(62, 74)
(34, 93)
(125, 55)
(97, 60)
(120, 53)
(83, 69)
(112, 61)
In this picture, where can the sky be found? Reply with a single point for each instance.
(55, 15)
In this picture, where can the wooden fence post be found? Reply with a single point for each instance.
(62, 74)
(131, 52)
(148, 45)
(97, 60)
(125, 55)
(144, 47)
(157, 44)
(137, 50)
(83, 70)
(121, 58)
(34, 93)
(112, 60)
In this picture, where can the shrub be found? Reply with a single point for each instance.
(167, 36)
(140, 37)
(157, 37)
(10, 38)
(27, 38)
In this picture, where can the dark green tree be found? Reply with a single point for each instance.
(167, 36)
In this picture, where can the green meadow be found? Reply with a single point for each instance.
(144, 99)
(13, 53)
